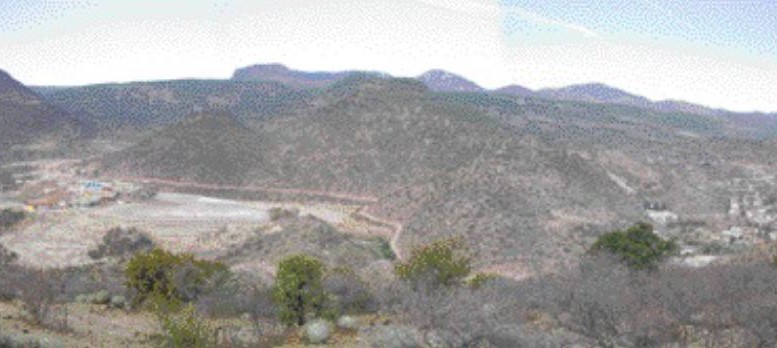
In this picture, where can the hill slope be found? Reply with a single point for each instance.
(440, 168)
(144, 105)
(29, 125)
(443, 81)
(281, 73)
(207, 147)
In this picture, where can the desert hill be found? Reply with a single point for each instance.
(208, 147)
(443, 81)
(150, 105)
(29, 125)
(441, 168)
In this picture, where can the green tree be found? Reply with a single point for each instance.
(164, 276)
(298, 289)
(638, 246)
(442, 263)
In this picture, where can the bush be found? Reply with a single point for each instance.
(9, 218)
(37, 291)
(479, 279)
(445, 262)
(164, 276)
(120, 241)
(638, 246)
(347, 292)
(185, 329)
(7, 257)
(457, 316)
(278, 213)
(384, 249)
(298, 289)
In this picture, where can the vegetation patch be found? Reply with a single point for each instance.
(298, 289)
(120, 241)
(444, 262)
(167, 277)
(638, 246)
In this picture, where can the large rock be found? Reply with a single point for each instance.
(318, 331)
(348, 322)
(662, 217)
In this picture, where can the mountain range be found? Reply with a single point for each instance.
(443, 81)
(519, 179)
(527, 178)
(264, 91)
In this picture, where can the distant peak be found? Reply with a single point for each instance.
(269, 67)
(445, 81)
(592, 86)
(438, 73)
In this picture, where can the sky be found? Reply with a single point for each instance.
(718, 53)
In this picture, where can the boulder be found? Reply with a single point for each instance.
(318, 331)
(348, 322)
(662, 217)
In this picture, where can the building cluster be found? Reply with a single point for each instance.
(80, 194)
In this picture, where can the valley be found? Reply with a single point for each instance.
(360, 171)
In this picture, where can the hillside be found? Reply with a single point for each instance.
(595, 93)
(29, 125)
(515, 90)
(295, 78)
(209, 147)
(147, 105)
(520, 178)
(440, 168)
(443, 81)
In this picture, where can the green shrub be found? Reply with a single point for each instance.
(298, 289)
(278, 213)
(445, 262)
(347, 293)
(164, 276)
(479, 279)
(185, 329)
(638, 246)
(384, 249)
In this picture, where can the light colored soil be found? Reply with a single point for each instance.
(201, 225)
(90, 326)
(97, 326)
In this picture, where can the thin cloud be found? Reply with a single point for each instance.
(544, 20)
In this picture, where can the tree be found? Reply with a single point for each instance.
(298, 289)
(638, 246)
(442, 263)
(162, 275)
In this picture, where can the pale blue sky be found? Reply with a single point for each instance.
(717, 53)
